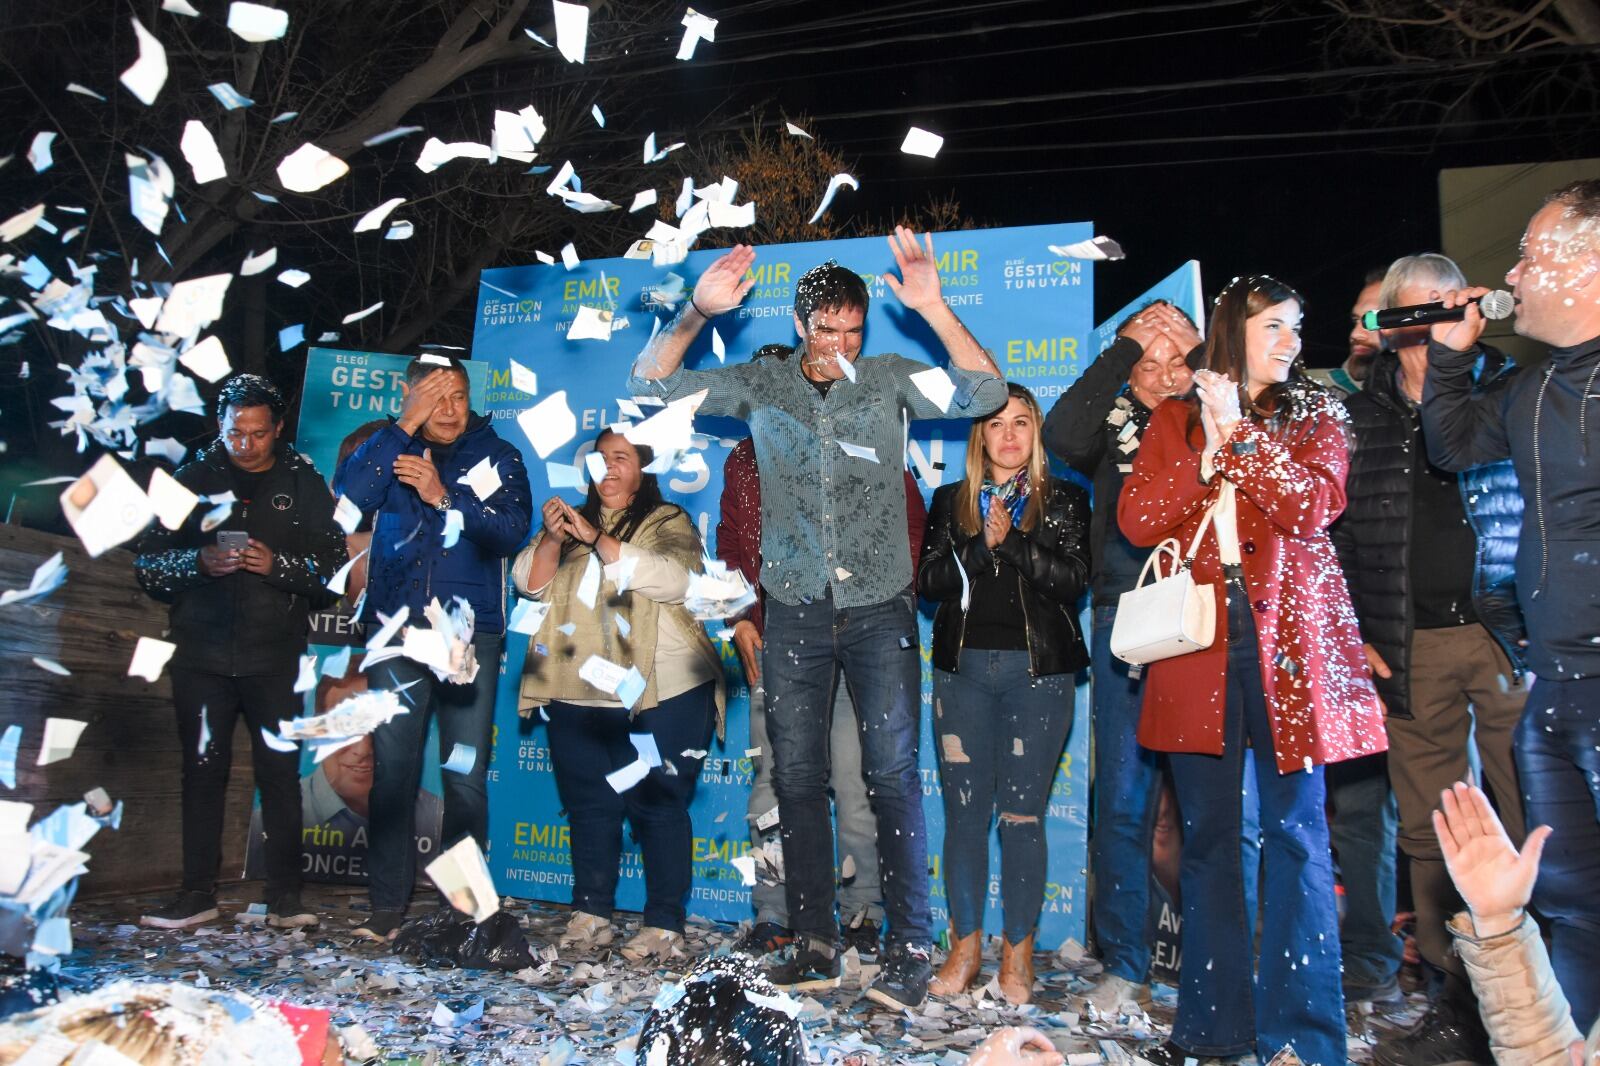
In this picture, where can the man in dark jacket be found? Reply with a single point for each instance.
(1427, 555)
(1094, 428)
(239, 623)
(1542, 420)
(453, 503)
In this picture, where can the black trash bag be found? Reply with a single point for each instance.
(446, 939)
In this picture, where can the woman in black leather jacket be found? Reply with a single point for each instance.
(1007, 558)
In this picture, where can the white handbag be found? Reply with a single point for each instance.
(1171, 615)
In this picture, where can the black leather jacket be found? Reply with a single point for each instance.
(1053, 564)
(1373, 535)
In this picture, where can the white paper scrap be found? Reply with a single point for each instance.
(549, 423)
(696, 28)
(523, 379)
(307, 679)
(194, 304)
(589, 584)
(23, 221)
(149, 72)
(39, 151)
(255, 264)
(572, 30)
(1093, 248)
(171, 500)
(602, 674)
(347, 515)
(590, 324)
(308, 168)
(920, 142)
(569, 256)
(60, 740)
(357, 316)
(835, 183)
(641, 200)
(105, 507)
(47, 577)
(630, 775)
(150, 658)
(294, 278)
(935, 383)
(463, 877)
(200, 149)
(796, 131)
(257, 23)
(374, 218)
(527, 616)
(859, 451)
(342, 575)
(207, 360)
(180, 7)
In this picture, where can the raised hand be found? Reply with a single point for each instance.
(555, 520)
(1494, 879)
(723, 286)
(422, 397)
(578, 526)
(217, 561)
(1157, 320)
(918, 284)
(997, 525)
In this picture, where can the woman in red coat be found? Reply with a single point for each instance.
(1284, 678)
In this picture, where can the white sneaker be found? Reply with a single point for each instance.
(586, 932)
(652, 944)
(1112, 992)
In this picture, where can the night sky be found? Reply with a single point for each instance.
(1289, 172)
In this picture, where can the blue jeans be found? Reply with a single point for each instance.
(1558, 761)
(1000, 734)
(466, 716)
(1127, 781)
(586, 743)
(857, 833)
(1296, 999)
(877, 648)
(1363, 829)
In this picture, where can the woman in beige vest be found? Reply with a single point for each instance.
(631, 689)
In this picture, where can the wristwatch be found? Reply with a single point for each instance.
(444, 504)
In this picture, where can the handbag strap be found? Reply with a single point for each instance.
(1205, 524)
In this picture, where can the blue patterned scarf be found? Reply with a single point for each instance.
(1012, 494)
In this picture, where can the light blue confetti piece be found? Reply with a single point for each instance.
(337, 664)
(277, 743)
(9, 743)
(34, 273)
(453, 520)
(623, 627)
(644, 743)
(228, 96)
(629, 691)
(205, 732)
(290, 336)
(54, 937)
(68, 826)
(566, 629)
(264, 197)
(463, 757)
(285, 117)
(560, 475)
(391, 135)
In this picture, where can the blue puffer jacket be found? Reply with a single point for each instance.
(409, 564)
(1373, 535)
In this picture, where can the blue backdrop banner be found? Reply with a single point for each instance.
(1032, 310)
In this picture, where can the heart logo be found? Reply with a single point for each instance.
(1061, 266)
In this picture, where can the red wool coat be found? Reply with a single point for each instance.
(1288, 487)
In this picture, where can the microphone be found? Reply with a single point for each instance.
(1494, 305)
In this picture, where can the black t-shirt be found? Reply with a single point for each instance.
(1443, 549)
(822, 387)
(994, 617)
(247, 484)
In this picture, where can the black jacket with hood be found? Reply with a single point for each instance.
(245, 624)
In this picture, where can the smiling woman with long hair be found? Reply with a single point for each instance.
(615, 573)
(1007, 559)
(1284, 682)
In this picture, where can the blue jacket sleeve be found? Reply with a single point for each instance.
(498, 525)
(368, 473)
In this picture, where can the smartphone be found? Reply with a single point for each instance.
(233, 540)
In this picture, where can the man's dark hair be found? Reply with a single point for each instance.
(1374, 275)
(779, 352)
(1581, 197)
(423, 365)
(251, 390)
(715, 1023)
(829, 287)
